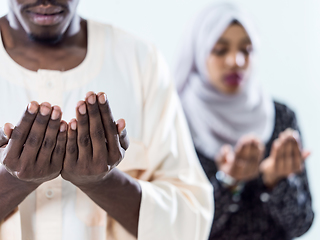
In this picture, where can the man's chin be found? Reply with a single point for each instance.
(45, 39)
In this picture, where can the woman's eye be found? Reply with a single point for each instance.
(247, 50)
(220, 52)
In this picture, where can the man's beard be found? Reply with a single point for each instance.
(45, 40)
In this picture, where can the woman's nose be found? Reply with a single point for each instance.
(236, 60)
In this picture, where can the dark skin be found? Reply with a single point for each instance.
(26, 158)
(41, 146)
(65, 54)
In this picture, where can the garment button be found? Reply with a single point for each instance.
(264, 197)
(233, 208)
(49, 193)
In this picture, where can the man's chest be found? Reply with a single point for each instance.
(53, 87)
(59, 60)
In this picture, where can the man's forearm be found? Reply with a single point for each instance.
(12, 192)
(120, 196)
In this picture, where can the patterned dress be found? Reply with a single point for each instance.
(257, 213)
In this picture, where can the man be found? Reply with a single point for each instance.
(60, 181)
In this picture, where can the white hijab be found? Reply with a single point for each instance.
(215, 118)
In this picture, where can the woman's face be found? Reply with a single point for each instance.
(229, 62)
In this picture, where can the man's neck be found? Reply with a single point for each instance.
(63, 55)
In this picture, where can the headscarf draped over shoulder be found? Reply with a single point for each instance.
(215, 118)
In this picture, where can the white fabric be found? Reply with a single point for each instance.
(177, 200)
(215, 118)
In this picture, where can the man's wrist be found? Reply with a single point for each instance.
(18, 183)
(92, 186)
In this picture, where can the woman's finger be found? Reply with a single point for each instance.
(280, 159)
(256, 151)
(305, 154)
(288, 157)
(274, 149)
(297, 156)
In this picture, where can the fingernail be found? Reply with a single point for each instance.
(74, 125)
(88, 94)
(82, 109)
(63, 127)
(32, 108)
(92, 99)
(102, 99)
(55, 114)
(44, 110)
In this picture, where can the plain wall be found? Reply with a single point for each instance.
(289, 56)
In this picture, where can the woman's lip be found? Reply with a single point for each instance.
(45, 19)
(233, 79)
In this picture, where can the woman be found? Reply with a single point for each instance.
(231, 120)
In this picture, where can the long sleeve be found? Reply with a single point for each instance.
(257, 213)
(290, 201)
(177, 199)
(290, 205)
(226, 204)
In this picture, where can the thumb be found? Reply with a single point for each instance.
(228, 154)
(305, 154)
(8, 128)
(275, 147)
(123, 136)
(5, 133)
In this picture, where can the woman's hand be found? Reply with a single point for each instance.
(286, 158)
(243, 163)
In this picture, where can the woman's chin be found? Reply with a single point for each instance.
(231, 90)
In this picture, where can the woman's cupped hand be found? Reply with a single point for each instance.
(244, 162)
